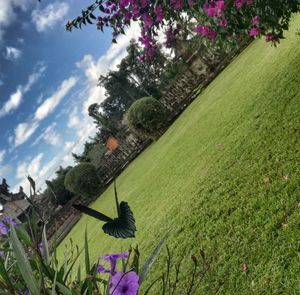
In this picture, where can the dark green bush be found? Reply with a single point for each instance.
(62, 195)
(147, 116)
(83, 180)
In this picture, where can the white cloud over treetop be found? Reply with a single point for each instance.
(48, 17)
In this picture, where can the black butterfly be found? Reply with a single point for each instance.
(121, 227)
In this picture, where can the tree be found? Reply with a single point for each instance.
(56, 191)
(82, 180)
(147, 116)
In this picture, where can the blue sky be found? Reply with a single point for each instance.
(48, 78)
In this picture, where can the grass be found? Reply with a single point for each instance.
(226, 176)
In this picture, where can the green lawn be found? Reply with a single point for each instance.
(226, 175)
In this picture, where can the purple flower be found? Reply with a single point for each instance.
(112, 259)
(124, 283)
(5, 223)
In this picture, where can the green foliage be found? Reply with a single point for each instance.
(57, 192)
(147, 116)
(83, 180)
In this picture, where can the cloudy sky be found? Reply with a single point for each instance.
(48, 78)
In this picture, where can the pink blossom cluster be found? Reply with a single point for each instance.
(206, 31)
(153, 15)
(171, 35)
(255, 31)
(214, 8)
(240, 3)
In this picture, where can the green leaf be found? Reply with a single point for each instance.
(53, 292)
(45, 245)
(86, 252)
(4, 274)
(87, 261)
(23, 263)
(63, 289)
(151, 259)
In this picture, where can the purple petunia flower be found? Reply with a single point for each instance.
(112, 259)
(5, 223)
(124, 283)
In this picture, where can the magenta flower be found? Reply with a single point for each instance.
(206, 31)
(214, 8)
(254, 32)
(176, 4)
(255, 20)
(269, 37)
(124, 283)
(223, 23)
(159, 12)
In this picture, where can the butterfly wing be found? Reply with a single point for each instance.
(123, 226)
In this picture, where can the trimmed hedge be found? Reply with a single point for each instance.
(147, 116)
(83, 180)
(62, 195)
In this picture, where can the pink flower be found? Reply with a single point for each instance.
(269, 37)
(176, 4)
(206, 31)
(255, 20)
(254, 32)
(223, 23)
(239, 3)
(158, 10)
(214, 8)
(148, 21)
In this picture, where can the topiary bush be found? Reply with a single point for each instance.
(62, 195)
(83, 180)
(147, 117)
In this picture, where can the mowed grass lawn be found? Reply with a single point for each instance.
(226, 177)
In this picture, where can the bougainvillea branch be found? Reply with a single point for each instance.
(224, 20)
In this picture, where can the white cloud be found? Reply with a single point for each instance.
(16, 97)
(32, 168)
(7, 12)
(4, 170)
(2, 155)
(74, 119)
(24, 130)
(12, 53)
(50, 136)
(52, 102)
(50, 15)
(12, 103)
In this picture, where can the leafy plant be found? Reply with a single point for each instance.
(83, 180)
(147, 116)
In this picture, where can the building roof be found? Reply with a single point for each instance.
(15, 208)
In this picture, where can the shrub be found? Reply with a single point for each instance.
(147, 116)
(83, 180)
(62, 195)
